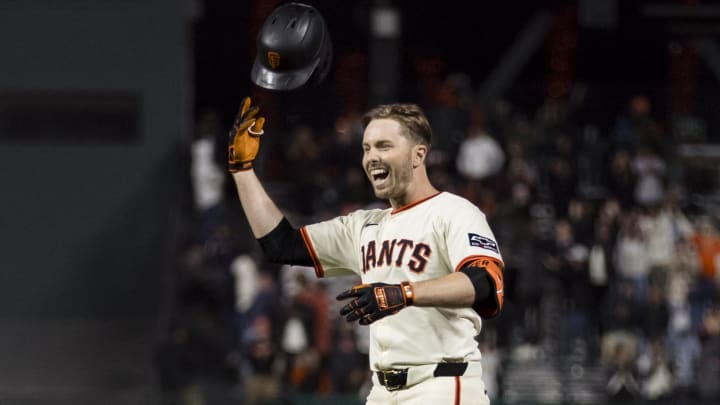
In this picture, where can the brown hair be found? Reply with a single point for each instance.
(410, 116)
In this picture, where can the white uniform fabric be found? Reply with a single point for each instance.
(426, 240)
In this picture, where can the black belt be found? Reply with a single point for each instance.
(397, 379)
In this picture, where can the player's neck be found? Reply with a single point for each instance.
(418, 191)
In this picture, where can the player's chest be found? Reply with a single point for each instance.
(407, 245)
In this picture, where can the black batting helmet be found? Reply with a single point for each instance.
(293, 48)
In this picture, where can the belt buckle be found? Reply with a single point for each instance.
(392, 373)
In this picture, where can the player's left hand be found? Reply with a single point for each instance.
(375, 301)
(244, 137)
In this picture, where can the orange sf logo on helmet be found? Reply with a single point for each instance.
(273, 59)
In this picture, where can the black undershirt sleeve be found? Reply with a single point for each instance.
(285, 244)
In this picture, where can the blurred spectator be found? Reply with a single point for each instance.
(258, 323)
(600, 264)
(580, 216)
(306, 336)
(707, 244)
(636, 126)
(480, 156)
(562, 170)
(620, 340)
(650, 171)
(557, 251)
(446, 110)
(491, 363)
(262, 384)
(346, 365)
(484, 197)
(620, 178)
(515, 125)
(341, 153)
(553, 115)
(621, 319)
(522, 177)
(684, 351)
(304, 147)
(655, 314)
(609, 214)
(500, 121)
(656, 379)
(620, 352)
(565, 263)
(247, 285)
(208, 178)
(666, 228)
(704, 288)
(631, 260)
(709, 368)
(601, 270)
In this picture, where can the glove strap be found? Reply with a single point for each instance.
(240, 166)
(408, 292)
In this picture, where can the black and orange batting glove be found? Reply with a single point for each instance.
(244, 137)
(375, 301)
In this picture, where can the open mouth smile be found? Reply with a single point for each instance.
(379, 174)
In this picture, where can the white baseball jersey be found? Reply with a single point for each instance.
(425, 240)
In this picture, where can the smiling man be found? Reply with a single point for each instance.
(430, 266)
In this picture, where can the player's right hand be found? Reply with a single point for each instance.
(375, 301)
(244, 137)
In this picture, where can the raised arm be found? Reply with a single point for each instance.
(243, 144)
(280, 242)
(262, 213)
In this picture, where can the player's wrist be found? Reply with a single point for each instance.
(240, 166)
(408, 292)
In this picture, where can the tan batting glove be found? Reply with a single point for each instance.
(244, 137)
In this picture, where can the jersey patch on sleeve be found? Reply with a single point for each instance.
(482, 242)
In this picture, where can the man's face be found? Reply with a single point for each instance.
(387, 159)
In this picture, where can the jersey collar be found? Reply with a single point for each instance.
(406, 207)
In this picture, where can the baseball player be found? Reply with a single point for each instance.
(430, 265)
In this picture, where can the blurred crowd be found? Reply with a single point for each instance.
(606, 253)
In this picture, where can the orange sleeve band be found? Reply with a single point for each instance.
(494, 269)
(319, 272)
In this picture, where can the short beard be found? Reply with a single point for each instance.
(402, 177)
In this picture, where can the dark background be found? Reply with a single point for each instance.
(467, 37)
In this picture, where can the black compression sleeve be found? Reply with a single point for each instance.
(482, 283)
(285, 244)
